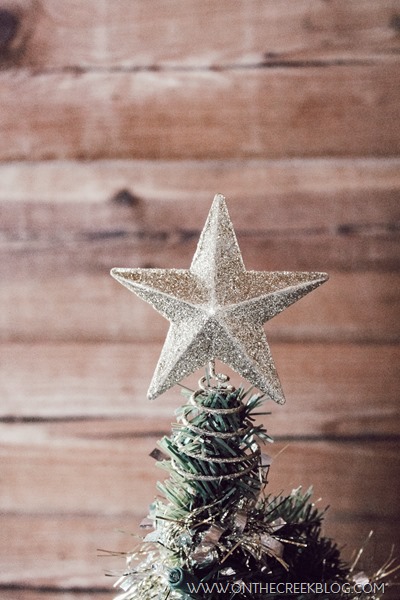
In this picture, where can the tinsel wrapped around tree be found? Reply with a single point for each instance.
(215, 531)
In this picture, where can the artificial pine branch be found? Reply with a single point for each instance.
(215, 527)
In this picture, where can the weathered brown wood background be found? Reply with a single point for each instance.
(118, 123)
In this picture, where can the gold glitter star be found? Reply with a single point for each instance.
(217, 308)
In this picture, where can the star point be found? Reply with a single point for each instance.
(217, 309)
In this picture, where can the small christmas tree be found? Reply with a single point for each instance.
(216, 533)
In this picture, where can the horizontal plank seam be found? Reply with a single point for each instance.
(151, 68)
(74, 515)
(206, 162)
(52, 589)
(332, 438)
(188, 235)
(365, 160)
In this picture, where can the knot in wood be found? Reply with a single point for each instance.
(395, 22)
(125, 198)
(9, 25)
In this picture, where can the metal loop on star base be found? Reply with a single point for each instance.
(221, 379)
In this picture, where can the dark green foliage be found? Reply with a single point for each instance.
(187, 449)
(216, 530)
(195, 504)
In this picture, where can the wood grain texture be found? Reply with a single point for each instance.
(84, 471)
(285, 194)
(349, 251)
(331, 389)
(304, 214)
(67, 554)
(65, 550)
(118, 123)
(153, 33)
(260, 113)
(57, 305)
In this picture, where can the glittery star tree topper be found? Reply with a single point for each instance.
(217, 308)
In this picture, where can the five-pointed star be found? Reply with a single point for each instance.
(217, 308)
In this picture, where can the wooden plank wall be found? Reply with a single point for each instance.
(119, 121)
